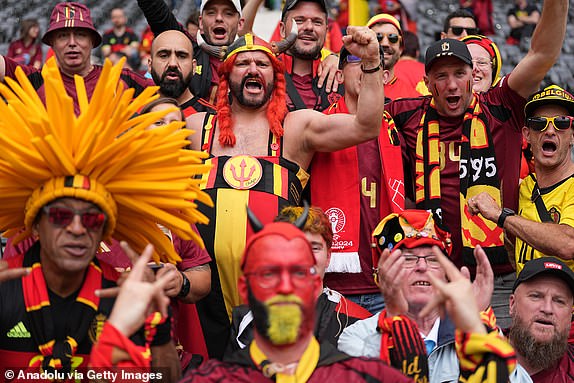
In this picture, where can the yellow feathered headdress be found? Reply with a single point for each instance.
(138, 177)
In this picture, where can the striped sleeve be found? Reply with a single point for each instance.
(484, 357)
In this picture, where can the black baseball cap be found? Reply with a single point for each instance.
(553, 95)
(547, 265)
(290, 4)
(446, 48)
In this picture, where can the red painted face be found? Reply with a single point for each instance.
(279, 278)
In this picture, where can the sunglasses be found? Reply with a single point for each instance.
(392, 37)
(458, 30)
(63, 216)
(540, 124)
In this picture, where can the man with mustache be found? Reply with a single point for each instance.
(219, 22)
(303, 60)
(72, 36)
(406, 265)
(260, 154)
(172, 67)
(281, 284)
(458, 143)
(544, 225)
(222, 20)
(390, 35)
(334, 312)
(541, 311)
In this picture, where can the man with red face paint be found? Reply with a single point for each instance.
(456, 142)
(280, 283)
(260, 155)
(334, 311)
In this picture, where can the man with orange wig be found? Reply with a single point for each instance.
(260, 154)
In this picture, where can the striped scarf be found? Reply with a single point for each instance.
(478, 173)
(57, 354)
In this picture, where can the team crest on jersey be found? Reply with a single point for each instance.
(242, 172)
(554, 214)
(96, 327)
(333, 97)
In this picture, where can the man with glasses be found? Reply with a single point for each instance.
(458, 143)
(334, 312)
(389, 34)
(402, 251)
(486, 62)
(545, 224)
(281, 284)
(85, 184)
(459, 24)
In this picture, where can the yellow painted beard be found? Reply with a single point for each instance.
(284, 322)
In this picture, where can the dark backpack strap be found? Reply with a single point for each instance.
(539, 202)
(293, 93)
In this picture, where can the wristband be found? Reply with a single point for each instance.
(505, 213)
(372, 70)
(185, 287)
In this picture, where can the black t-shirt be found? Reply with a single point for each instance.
(17, 346)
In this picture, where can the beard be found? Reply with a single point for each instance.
(237, 91)
(390, 58)
(280, 324)
(171, 88)
(310, 53)
(539, 355)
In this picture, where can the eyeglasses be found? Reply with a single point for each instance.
(270, 277)
(482, 63)
(540, 124)
(458, 30)
(410, 261)
(392, 37)
(63, 216)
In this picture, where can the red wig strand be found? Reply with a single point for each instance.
(224, 120)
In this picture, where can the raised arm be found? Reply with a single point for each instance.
(484, 357)
(159, 16)
(249, 12)
(317, 132)
(545, 48)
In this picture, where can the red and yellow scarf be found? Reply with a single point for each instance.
(478, 173)
(57, 355)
